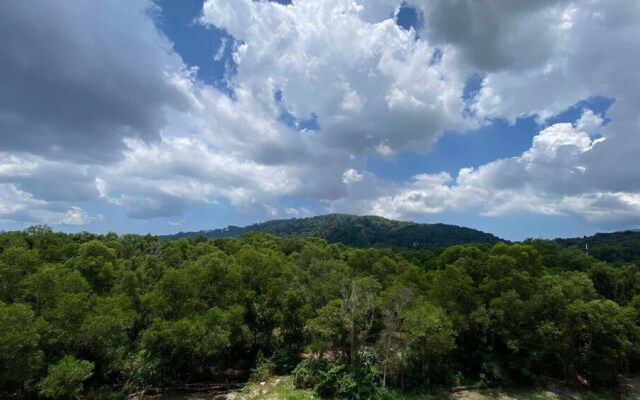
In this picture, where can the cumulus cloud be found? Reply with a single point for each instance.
(497, 35)
(553, 177)
(75, 216)
(97, 111)
(370, 83)
(166, 178)
(20, 206)
(351, 176)
(53, 180)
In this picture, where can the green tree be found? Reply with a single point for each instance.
(65, 378)
(360, 301)
(62, 324)
(430, 335)
(16, 263)
(97, 263)
(392, 341)
(453, 289)
(43, 288)
(20, 356)
(329, 329)
(187, 346)
(604, 336)
(104, 332)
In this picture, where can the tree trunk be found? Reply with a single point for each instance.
(384, 376)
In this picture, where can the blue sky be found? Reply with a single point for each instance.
(178, 115)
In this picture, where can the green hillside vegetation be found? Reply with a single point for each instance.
(104, 315)
(620, 247)
(356, 231)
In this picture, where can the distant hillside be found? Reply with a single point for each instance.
(611, 247)
(356, 231)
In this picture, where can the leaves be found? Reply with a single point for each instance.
(131, 310)
(64, 379)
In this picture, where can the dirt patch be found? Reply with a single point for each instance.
(467, 395)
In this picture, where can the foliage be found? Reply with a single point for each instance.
(617, 247)
(187, 346)
(20, 356)
(349, 382)
(132, 311)
(263, 370)
(356, 231)
(64, 379)
(308, 372)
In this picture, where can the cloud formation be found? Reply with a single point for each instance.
(78, 76)
(553, 177)
(97, 107)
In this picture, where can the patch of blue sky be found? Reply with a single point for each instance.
(516, 226)
(112, 218)
(207, 48)
(454, 151)
(212, 216)
(408, 17)
(293, 203)
(471, 89)
(204, 217)
(105, 217)
(10, 225)
(597, 104)
(309, 123)
(436, 57)
(283, 2)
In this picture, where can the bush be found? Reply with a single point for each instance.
(64, 380)
(284, 358)
(329, 382)
(338, 379)
(308, 372)
(141, 370)
(263, 370)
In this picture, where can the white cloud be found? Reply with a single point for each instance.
(143, 134)
(166, 178)
(553, 177)
(368, 82)
(75, 216)
(589, 122)
(351, 176)
(20, 206)
(299, 212)
(221, 50)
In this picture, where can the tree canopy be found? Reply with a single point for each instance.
(81, 312)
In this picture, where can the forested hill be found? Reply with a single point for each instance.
(357, 231)
(620, 247)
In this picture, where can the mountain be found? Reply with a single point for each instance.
(621, 247)
(357, 231)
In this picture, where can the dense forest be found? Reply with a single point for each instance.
(358, 231)
(617, 247)
(102, 315)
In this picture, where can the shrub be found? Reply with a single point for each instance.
(308, 372)
(263, 370)
(64, 379)
(339, 380)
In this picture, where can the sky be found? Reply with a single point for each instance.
(518, 118)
